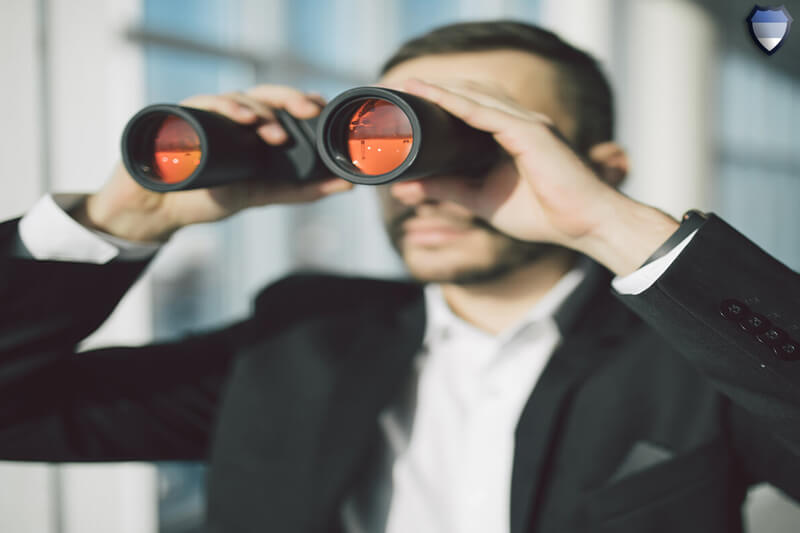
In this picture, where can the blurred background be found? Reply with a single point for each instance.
(710, 122)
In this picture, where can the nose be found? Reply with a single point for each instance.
(408, 192)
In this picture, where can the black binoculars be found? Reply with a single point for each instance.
(366, 135)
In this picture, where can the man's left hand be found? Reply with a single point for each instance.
(545, 192)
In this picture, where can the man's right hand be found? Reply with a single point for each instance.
(126, 210)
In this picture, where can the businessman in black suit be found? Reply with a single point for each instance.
(507, 388)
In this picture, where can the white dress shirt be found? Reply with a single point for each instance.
(449, 439)
(49, 233)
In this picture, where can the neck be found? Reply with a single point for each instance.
(496, 305)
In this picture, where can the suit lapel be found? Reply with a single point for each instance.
(362, 387)
(586, 320)
(301, 407)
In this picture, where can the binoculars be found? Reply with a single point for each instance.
(366, 135)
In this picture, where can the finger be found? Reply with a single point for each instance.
(273, 133)
(244, 110)
(464, 107)
(514, 130)
(293, 100)
(270, 130)
(490, 95)
(224, 105)
(604, 151)
(317, 98)
(496, 98)
(263, 111)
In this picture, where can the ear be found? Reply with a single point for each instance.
(610, 162)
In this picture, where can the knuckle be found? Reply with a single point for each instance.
(276, 96)
(228, 105)
(198, 99)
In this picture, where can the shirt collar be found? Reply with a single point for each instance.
(441, 320)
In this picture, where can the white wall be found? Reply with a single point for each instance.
(20, 117)
(660, 55)
(670, 54)
(70, 82)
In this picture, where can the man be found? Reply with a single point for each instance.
(513, 392)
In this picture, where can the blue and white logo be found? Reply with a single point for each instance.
(769, 27)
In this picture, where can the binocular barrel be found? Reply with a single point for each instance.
(373, 135)
(170, 148)
(367, 135)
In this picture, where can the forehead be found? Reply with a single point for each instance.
(529, 79)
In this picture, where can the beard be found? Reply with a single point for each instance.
(502, 255)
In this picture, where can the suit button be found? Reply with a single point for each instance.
(755, 323)
(788, 350)
(772, 337)
(733, 309)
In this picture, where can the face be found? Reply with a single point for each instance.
(442, 241)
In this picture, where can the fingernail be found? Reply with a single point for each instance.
(309, 107)
(272, 132)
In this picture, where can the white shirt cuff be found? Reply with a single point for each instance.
(640, 280)
(50, 234)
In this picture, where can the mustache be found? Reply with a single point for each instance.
(395, 225)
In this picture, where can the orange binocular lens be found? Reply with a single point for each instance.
(379, 137)
(176, 150)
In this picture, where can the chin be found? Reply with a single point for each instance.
(444, 264)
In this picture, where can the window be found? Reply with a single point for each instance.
(759, 161)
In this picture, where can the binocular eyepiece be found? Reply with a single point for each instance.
(367, 135)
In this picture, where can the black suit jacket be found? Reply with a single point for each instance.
(655, 414)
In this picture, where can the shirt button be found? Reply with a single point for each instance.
(772, 337)
(755, 323)
(788, 350)
(733, 309)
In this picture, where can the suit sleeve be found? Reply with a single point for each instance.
(734, 312)
(155, 402)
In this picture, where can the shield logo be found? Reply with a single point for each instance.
(769, 27)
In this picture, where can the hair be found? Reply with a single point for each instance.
(583, 88)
